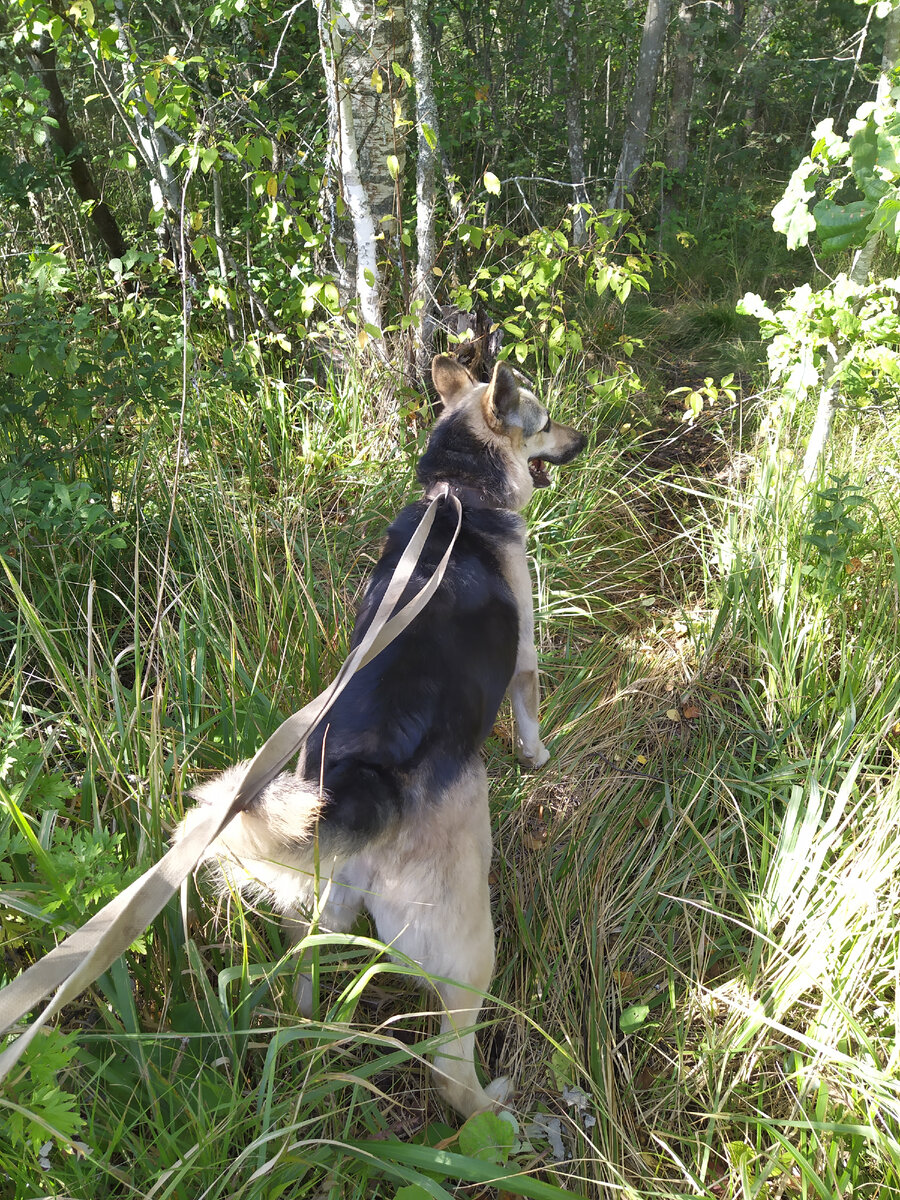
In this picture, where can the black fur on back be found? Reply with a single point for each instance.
(410, 720)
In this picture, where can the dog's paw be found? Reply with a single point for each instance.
(499, 1091)
(532, 758)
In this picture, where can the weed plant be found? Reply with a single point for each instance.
(696, 901)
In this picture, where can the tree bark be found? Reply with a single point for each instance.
(757, 74)
(682, 91)
(218, 226)
(359, 45)
(571, 17)
(638, 119)
(149, 141)
(426, 172)
(42, 59)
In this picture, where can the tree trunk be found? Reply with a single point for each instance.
(42, 59)
(637, 121)
(426, 173)
(571, 19)
(758, 72)
(218, 226)
(359, 44)
(680, 101)
(149, 141)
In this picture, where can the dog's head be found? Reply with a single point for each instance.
(507, 419)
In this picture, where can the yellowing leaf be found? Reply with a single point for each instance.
(272, 187)
(492, 183)
(393, 165)
(82, 10)
(642, 759)
(690, 713)
(377, 81)
(673, 714)
(624, 978)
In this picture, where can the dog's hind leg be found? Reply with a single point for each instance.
(430, 900)
(331, 905)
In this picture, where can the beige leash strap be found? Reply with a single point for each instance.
(87, 953)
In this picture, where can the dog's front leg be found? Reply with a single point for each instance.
(524, 693)
(524, 690)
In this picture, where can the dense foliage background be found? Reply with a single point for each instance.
(213, 402)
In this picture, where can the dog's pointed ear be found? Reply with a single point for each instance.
(501, 400)
(451, 379)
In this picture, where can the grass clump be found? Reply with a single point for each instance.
(696, 901)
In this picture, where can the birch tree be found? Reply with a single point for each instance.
(360, 43)
(426, 172)
(637, 121)
(138, 114)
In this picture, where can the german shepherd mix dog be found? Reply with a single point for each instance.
(388, 807)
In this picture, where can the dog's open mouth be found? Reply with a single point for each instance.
(538, 469)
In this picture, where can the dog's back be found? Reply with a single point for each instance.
(409, 722)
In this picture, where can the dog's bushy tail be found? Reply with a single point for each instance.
(266, 851)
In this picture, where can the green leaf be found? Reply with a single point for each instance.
(331, 297)
(402, 73)
(633, 1017)
(791, 215)
(393, 166)
(752, 305)
(488, 1137)
(842, 225)
(429, 135)
(601, 280)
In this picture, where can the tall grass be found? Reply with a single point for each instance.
(696, 901)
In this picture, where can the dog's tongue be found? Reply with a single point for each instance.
(539, 475)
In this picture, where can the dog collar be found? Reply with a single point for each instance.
(469, 497)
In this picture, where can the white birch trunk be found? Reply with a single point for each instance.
(359, 43)
(637, 121)
(426, 172)
(165, 192)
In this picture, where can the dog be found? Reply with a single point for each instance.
(388, 806)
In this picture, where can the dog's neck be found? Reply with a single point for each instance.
(469, 497)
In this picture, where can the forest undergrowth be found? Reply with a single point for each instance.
(696, 901)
